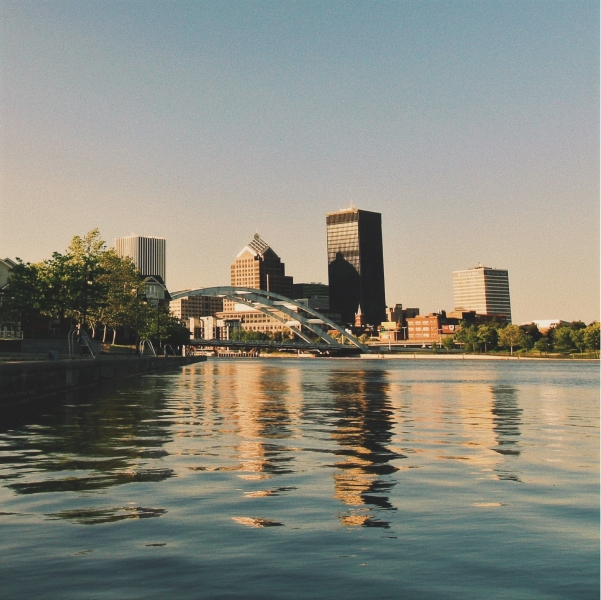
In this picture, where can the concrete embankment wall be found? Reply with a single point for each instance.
(42, 346)
(29, 380)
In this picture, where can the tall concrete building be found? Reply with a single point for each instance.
(483, 290)
(258, 266)
(356, 265)
(148, 254)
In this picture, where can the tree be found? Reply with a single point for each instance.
(578, 339)
(562, 338)
(468, 336)
(487, 335)
(591, 337)
(124, 298)
(531, 334)
(543, 345)
(448, 342)
(364, 338)
(23, 297)
(510, 336)
(71, 284)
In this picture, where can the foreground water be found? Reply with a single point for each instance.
(309, 479)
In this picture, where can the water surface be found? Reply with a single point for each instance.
(284, 478)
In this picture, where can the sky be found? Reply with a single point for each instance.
(473, 127)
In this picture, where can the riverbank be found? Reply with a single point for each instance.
(418, 356)
(23, 381)
(425, 356)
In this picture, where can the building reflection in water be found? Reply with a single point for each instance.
(263, 415)
(362, 430)
(507, 418)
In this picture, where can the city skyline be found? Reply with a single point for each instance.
(472, 128)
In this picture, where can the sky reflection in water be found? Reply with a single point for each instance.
(389, 477)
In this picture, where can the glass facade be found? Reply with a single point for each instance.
(148, 254)
(484, 290)
(356, 265)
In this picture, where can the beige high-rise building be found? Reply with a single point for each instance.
(148, 253)
(258, 266)
(483, 290)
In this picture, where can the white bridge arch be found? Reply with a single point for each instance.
(276, 305)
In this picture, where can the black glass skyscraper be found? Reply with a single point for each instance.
(356, 265)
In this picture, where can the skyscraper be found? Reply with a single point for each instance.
(148, 254)
(258, 266)
(356, 265)
(483, 290)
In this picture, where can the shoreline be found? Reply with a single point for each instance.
(418, 356)
(24, 381)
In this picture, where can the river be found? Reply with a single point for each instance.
(301, 478)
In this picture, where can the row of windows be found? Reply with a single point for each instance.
(339, 218)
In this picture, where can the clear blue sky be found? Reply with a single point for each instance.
(473, 127)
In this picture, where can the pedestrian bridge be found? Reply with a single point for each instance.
(306, 323)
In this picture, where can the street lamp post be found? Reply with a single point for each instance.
(87, 282)
(144, 301)
(160, 304)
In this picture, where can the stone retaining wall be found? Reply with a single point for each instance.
(28, 380)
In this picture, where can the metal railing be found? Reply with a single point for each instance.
(83, 341)
(148, 343)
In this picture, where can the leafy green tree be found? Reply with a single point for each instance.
(157, 325)
(23, 298)
(591, 337)
(467, 335)
(510, 337)
(543, 345)
(531, 334)
(364, 338)
(448, 342)
(124, 291)
(244, 335)
(71, 284)
(562, 338)
(487, 336)
(578, 338)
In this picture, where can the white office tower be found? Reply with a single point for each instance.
(148, 254)
(484, 290)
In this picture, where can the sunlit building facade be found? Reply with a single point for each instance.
(195, 307)
(483, 290)
(258, 266)
(356, 265)
(148, 254)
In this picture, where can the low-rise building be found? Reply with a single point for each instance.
(545, 324)
(6, 266)
(212, 328)
(426, 330)
(394, 329)
(471, 317)
(251, 319)
(195, 307)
